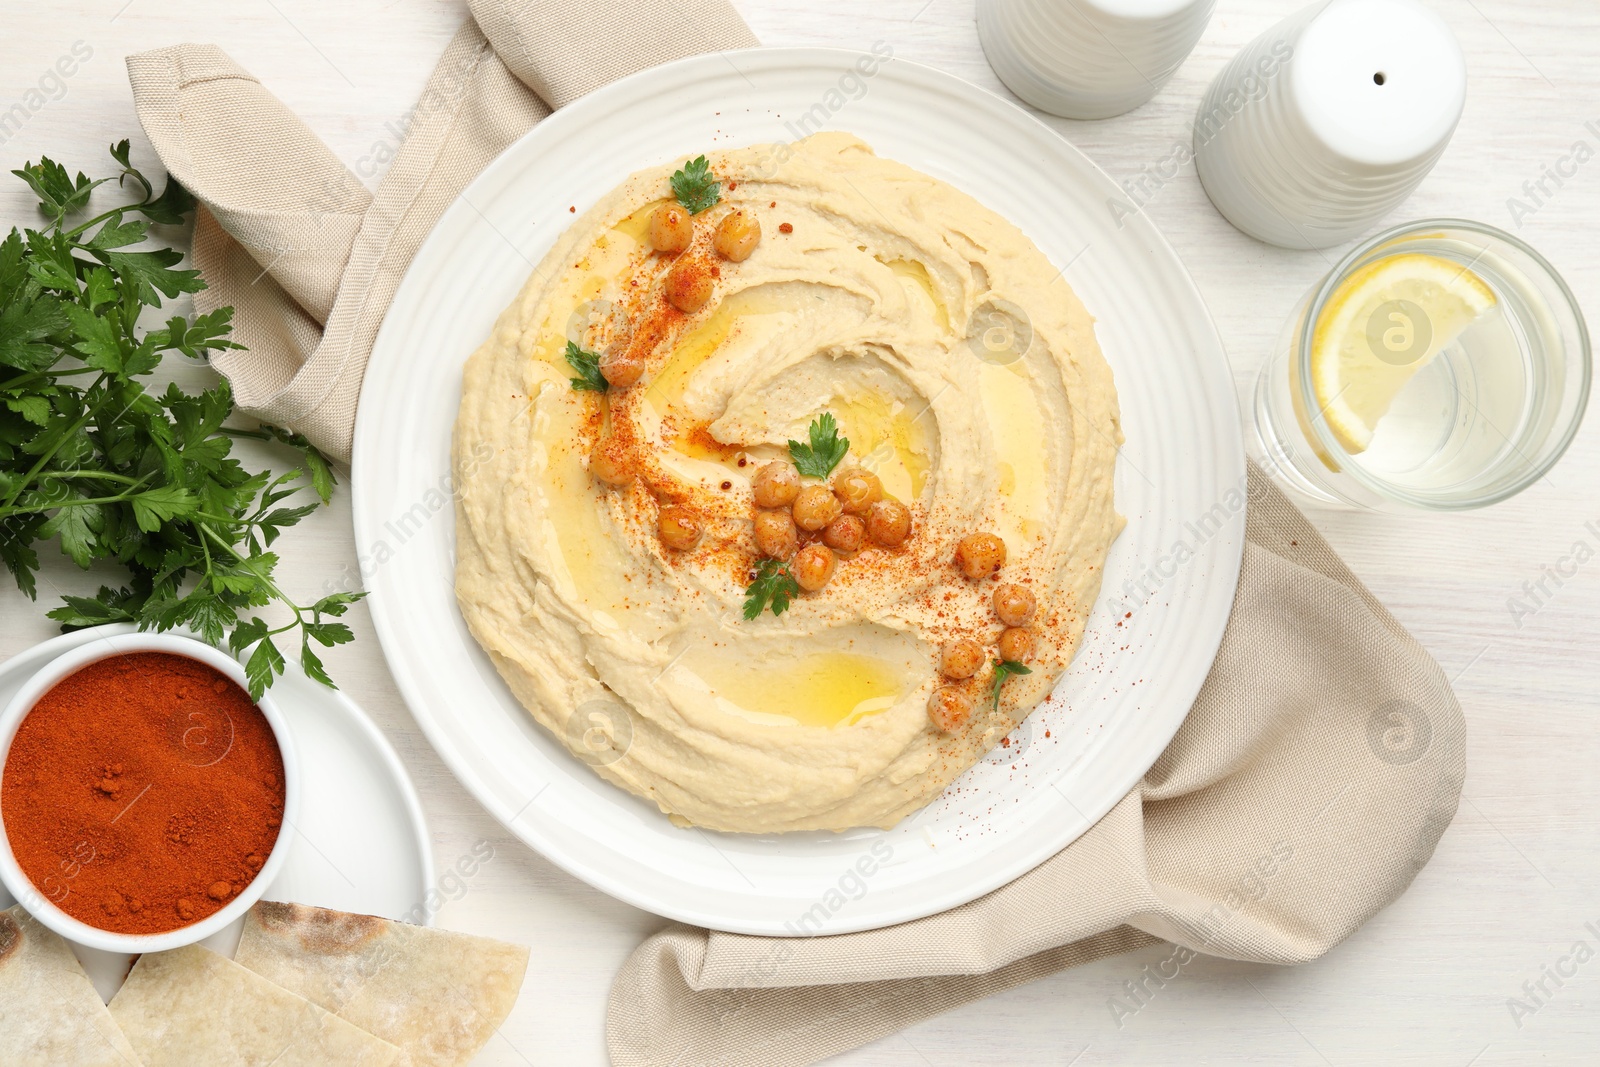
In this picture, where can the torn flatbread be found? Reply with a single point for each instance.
(191, 1006)
(49, 1011)
(437, 994)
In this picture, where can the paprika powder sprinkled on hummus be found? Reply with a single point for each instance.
(142, 793)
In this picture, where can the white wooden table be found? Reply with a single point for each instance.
(1517, 876)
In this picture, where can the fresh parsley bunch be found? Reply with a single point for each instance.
(120, 476)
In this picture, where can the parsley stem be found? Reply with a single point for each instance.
(73, 475)
(76, 230)
(75, 502)
(23, 379)
(253, 564)
(205, 552)
(9, 509)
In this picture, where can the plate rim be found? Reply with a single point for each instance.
(1228, 563)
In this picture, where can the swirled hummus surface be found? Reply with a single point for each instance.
(963, 372)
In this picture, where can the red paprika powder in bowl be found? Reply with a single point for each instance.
(145, 801)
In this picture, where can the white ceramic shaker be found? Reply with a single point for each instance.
(1325, 123)
(1089, 59)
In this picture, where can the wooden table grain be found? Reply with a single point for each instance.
(1507, 599)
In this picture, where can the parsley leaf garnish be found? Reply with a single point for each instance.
(694, 186)
(587, 364)
(125, 478)
(775, 584)
(826, 449)
(1004, 669)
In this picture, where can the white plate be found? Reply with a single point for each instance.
(361, 844)
(1133, 680)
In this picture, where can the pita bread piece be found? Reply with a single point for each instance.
(437, 994)
(49, 1011)
(191, 1006)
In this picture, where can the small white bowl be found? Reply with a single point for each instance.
(73, 929)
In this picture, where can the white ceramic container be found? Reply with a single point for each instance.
(37, 902)
(1324, 124)
(1089, 59)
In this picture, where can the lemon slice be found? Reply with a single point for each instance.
(1382, 325)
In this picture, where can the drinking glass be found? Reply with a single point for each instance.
(1484, 419)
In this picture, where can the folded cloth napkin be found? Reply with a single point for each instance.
(1309, 784)
(297, 246)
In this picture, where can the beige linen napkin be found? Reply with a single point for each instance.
(1310, 782)
(291, 239)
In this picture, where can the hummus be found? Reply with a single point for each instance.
(964, 373)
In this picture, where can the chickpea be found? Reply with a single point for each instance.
(1016, 644)
(949, 709)
(776, 537)
(813, 566)
(671, 229)
(961, 658)
(621, 370)
(1014, 604)
(857, 490)
(980, 555)
(609, 463)
(815, 507)
(688, 285)
(776, 485)
(889, 523)
(847, 533)
(679, 527)
(737, 235)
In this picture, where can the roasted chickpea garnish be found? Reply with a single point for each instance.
(813, 566)
(961, 658)
(609, 463)
(1016, 644)
(775, 485)
(847, 533)
(815, 507)
(857, 490)
(737, 235)
(980, 555)
(688, 285)
(889, 523)
(1013, 604)
(621, 370)
(949, 709)
(671, 229)
(776, 537)
(678, 527)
